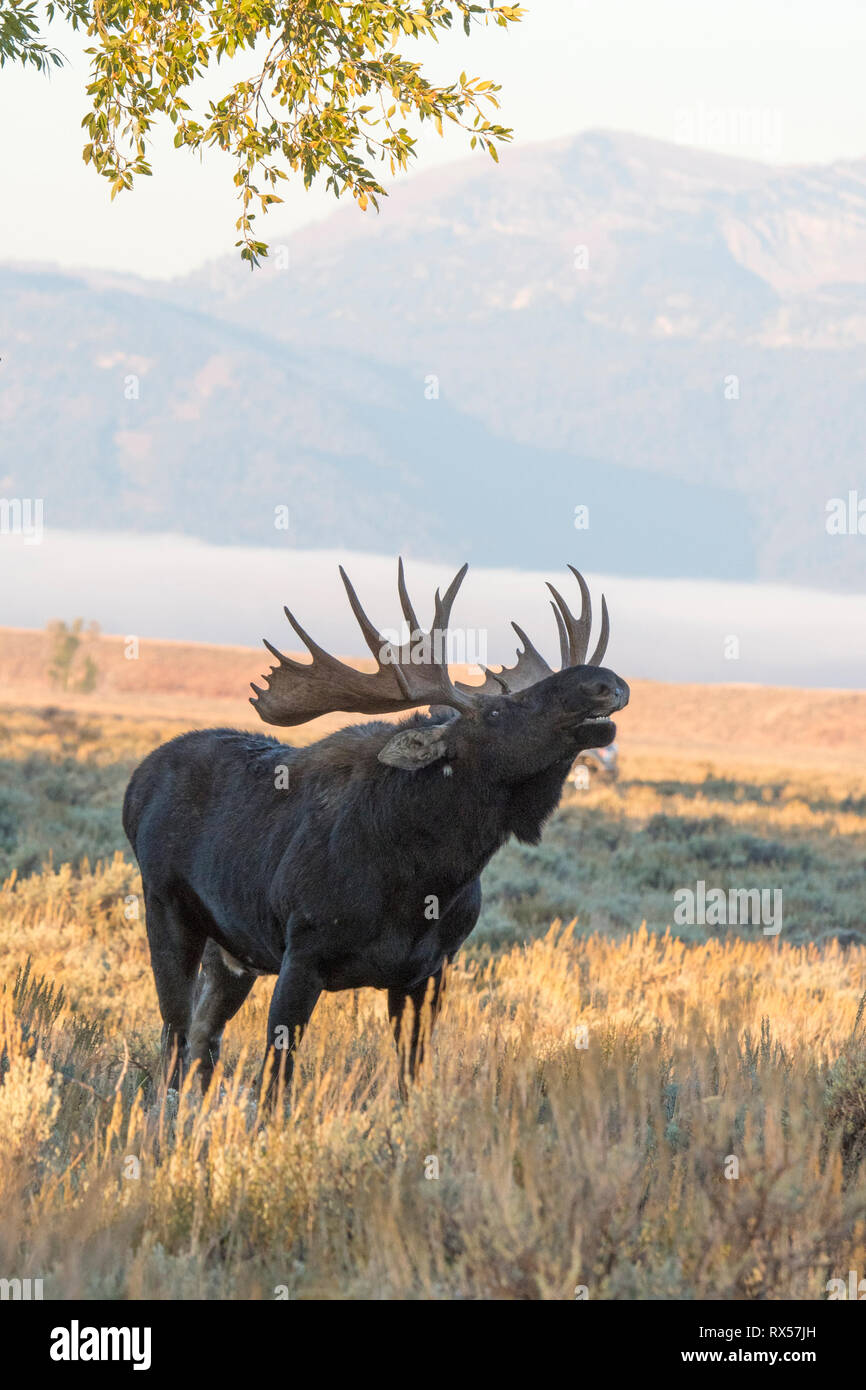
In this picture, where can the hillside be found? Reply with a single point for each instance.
(199, 684)
(675, 339)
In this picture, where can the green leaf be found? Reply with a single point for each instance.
(310, 107)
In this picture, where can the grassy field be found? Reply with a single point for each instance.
(615, 1103)
(614, 855)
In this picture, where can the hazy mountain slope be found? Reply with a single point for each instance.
(597, 296)
(679, 242)
(229, 425)
(674, 338)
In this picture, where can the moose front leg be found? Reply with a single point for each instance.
(413, 1013)
(297, 990)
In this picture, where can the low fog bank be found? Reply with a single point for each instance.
(662, 629)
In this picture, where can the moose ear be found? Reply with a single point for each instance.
(414, 748)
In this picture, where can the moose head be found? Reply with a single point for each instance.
(519, 722)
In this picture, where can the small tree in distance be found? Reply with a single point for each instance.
(66, 669)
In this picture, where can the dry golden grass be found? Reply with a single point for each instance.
(526, 1164)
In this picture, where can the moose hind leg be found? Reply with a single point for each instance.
(413, 1013)
(176, 946)
(220, 992)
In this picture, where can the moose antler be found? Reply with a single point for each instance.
(573, 642)
(407, 676)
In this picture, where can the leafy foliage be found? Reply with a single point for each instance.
(329, 93)
(19, 37)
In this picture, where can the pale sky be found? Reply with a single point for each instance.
(672, 69)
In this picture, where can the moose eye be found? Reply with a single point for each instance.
(494, 713)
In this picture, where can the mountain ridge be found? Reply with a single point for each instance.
(649, 330)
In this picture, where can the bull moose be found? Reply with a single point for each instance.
(355, 861)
